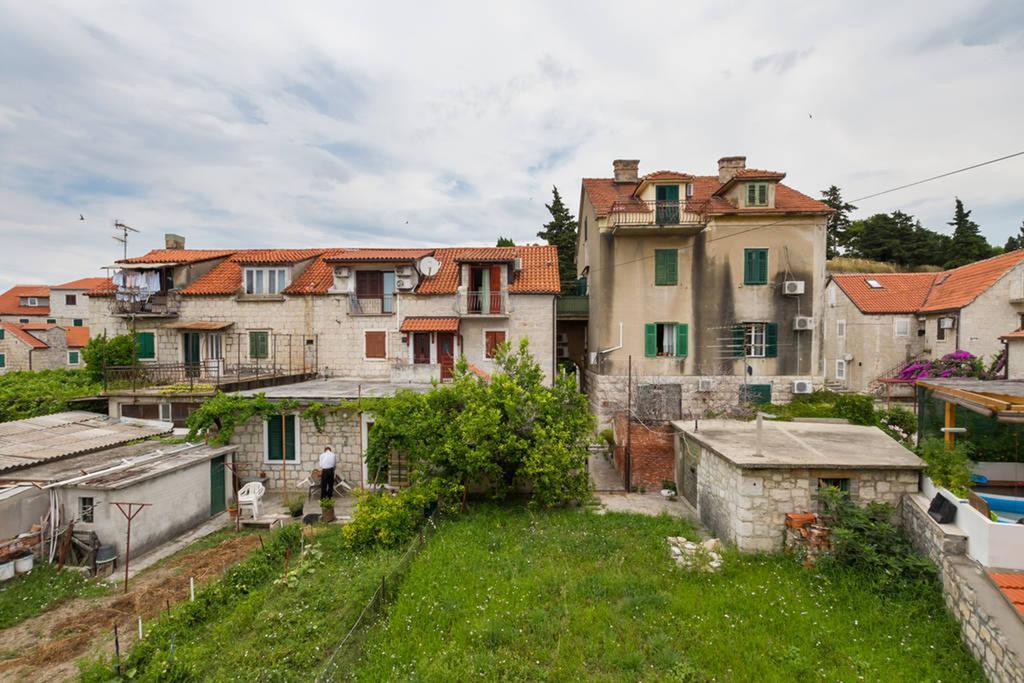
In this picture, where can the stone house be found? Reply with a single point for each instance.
(65, 305)
(874, 323)
(41, 346)
(712, 285)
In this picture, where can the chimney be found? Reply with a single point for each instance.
(626, 170)
(172, 241)
(728, 166)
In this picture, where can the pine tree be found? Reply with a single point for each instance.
(505, 242)
(968, 244)
(1015, 242)
(561, 232)
(838, 233)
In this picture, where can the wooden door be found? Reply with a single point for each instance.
(495, 288)
(190, 344)
(421, 347)
(446, 353)
(217, 493)
(667, 209)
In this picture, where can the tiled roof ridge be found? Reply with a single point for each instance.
(25, 336)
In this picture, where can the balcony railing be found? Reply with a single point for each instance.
(659, 212)
(156, 305)
(381, 304)
(479, 302)
(573, 305)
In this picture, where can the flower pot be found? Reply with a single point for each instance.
(7, 571)
(23, 565)
(327, 515)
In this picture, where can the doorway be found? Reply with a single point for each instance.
(446, 354)
(217, 492)
(190, 344)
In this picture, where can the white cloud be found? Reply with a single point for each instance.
(237, 124)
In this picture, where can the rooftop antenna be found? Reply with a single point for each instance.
(124, 230)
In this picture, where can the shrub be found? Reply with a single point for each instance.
(608, 436)
(897, 422)
(103, 351)
(857, 408)
(389, 520)
(948, 467)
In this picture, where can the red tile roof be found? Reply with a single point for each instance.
(426, 324)
(83, 283)
(179, 256)
(274, 256)
(1012, 586)
(226, 276)
(964, 284)
(1016, 334)
(900, 292)
(105, 289)
(352, 255)
(486, 255)
(37, 326)
(77, 337)
(538, 276)
(24, 336)
(10, 303)
(667, 175)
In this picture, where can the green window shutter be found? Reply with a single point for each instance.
(682, 339)
(289, 424)
(73, 357)
(1, 333)
(259, 345)
(755, 266)
(762, 194)
(666, 266)
(771, 340)
(751, 194)
(762, 266)
(650, 340)
(77, 322)
(738, 341)
(147, 345)
(51, 321)
(3, 361)
(274, 437)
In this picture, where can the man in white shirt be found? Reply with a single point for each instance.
(327, 463)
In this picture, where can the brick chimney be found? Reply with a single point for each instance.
(172, 241)
(626, 170)
(728, 166)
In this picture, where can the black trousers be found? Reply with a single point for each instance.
(327, 483)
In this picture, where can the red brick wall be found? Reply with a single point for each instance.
(653, 453)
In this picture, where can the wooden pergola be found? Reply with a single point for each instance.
(1001, 399)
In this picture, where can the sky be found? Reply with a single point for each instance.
(253, 124)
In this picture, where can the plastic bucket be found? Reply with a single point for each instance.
(105, 553)
(23, 565)
(7, 571)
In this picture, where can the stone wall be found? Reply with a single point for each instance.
(989, 625)
(653, 453)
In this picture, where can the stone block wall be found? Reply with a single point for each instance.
(989, 625)
(653, 453)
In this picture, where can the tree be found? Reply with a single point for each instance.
(561, 232)
(837, 234)
(505, 242)
(968, 244)
(1015, 242)
(103, 352)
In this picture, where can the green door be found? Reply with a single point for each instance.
(667, 209)
(217, 495)
(190, 343)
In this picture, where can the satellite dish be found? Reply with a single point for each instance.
(428, 265)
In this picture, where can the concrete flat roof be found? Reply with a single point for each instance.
(801, 444)
(337, 389)
(154, 464)
(24, 443)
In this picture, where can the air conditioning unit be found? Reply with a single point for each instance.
(802, 386)
(793, 287)
(405, 282)
(563, 338)
(945, 323)
(403, 271)
(848, 357)
(705, 384)
(341, 271)
(563, 352)
(803, 322)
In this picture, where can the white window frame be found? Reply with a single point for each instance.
(79, 355)
(840, 369)
(257, 281)
(387, 343)
(896, 327)
(32, 301)
(82, 511)
(667, 339)
(841, 329)
(757, 191)
(298, 444)
(753, 347)
(483, 340)
(215, 344)
(165, 413)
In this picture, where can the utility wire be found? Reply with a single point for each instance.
(936, 177)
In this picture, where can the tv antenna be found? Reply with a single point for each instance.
(124, 230)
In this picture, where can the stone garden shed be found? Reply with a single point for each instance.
(743, 483)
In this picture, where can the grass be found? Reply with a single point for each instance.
(568, 595)
(30, 594)
(844, 264)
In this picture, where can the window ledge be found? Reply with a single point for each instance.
(260, 297)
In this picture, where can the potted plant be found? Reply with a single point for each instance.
(327, 510)
(232, 508)
(668, 489)
(295, 505)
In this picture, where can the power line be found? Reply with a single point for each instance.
(936, 177)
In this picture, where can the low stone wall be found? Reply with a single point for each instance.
(989, 625)
(653, 452)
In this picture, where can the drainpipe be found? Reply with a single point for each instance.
(613, 348)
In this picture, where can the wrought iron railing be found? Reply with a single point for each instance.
(155, 305)
(480, 302)
(381, 304)
(659, 212)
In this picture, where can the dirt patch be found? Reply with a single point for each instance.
(46, 647)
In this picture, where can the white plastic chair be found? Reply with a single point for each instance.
(251, 494)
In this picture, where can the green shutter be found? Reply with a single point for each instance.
(762, 194)
(259, 345)
(762, 268)
(147, 345)
(751, 194)
(274, 437)
(755, 266)
(738, 341)
(771, 340)
(1, 334)
(73, 357)
(77, 322)
(682, 339)
(3, 361)
(650, 340)
(666, 266)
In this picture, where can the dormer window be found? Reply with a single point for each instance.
(32, 301)
(757, 194)
(266, 280)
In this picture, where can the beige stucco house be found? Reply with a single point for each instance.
(711, 285)
(877, 322)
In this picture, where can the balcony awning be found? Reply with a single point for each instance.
(209, 325)
(426, 324)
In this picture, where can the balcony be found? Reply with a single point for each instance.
(573, 307)
(676, 217)
(155, 306)
(483, 303)
(371, 304)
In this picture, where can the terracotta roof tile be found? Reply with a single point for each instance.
(427, 324)
(37, 326)
(1012, 586)
(272, 256)
(83, 283)
(538, 276)
(963, 285)
(900, 292)
(24, 336)
(179, 256)
(350, 255)
(77, 337)
(1016, 334)
(747, 173)
(667, 175)
(226, 276)
(10, 303)
(105, 289)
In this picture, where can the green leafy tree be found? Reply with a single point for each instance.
(561, 232)
(30, 394)
(838, 236)
(505, 242)
(1014, 242)
(103, 351)
(968, 244)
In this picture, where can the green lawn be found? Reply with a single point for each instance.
(25, 596)
(504, 593)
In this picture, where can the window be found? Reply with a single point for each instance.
(275, 442)
(259, 344)
(666, 339)
(72, 357)
(666, 266)
(873, 283)
(51, 321)
(834, 482)
(755, 266)
(841, 329)
(689, 190)
(23, 320)
(492, 339)
(375, 291)
(165, 412)
(757, 194)
(146, 345)
(3, 361)
(755, 340)
(1, 333)
(375, 345)
(840, 369)
(32, 301)
(265, 280)
(902, 327)
(77, 322)
(667, 204)
(86, 505)
(70, 299)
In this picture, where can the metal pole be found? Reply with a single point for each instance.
(628, 464)
(129, 515)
